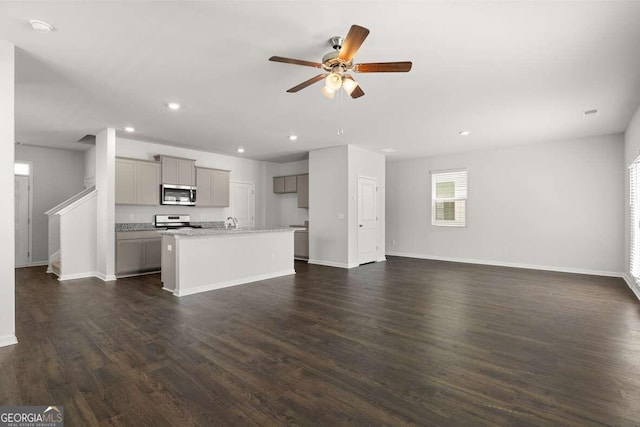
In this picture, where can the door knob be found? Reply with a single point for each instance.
(360, 225)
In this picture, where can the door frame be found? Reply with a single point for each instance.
(373, 178)
(253, 189)
(30, 219)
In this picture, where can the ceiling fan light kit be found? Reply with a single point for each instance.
(337, 64)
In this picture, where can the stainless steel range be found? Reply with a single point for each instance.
(174, 221)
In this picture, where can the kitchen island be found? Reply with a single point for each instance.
(200, 260)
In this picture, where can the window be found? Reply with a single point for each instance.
(21, 169)
(634, 262)
(449, 198)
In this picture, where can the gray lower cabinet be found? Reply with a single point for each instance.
(212, 187)
(137, 182)
(301, 244)
(138, 252)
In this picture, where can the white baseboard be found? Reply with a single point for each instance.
(331, 263)
(38, 263)
(633, 285)
(6, 340)
(77, 276)
(105, 278)
(229, 283)
(168, 290)
(510, 264)
(381, 259)
(122, 276)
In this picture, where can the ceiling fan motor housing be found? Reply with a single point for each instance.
(336, 42)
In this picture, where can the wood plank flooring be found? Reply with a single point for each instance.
(400, 342)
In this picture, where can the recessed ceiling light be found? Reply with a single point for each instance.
(293, 137)
(464, 132)
(173, 106)
(129, 129)
(590, 112)
(240, 150)
(41, 26)
(388, 150)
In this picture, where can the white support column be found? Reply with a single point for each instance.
(7, 182)
(105, 186)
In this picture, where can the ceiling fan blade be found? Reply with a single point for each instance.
(383, 67)
(352, 42)
(295, 61)
(307, 83)
(357, 91)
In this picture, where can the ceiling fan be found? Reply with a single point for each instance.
(337, 65)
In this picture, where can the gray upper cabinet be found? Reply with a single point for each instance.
(293, 184)
(125, 182)
(213, 187)
(290, 184)
(303, 191)
(137, 182)
(221, 183)
(278, 184)
(204, 187)
(177, 171)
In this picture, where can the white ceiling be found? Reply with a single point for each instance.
(510, 72)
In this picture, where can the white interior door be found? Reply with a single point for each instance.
(241, 203)
(22, 220)
(367, 220)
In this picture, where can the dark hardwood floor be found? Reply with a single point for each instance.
(402, 342)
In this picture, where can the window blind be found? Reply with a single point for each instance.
(449, 198)
(634, 251)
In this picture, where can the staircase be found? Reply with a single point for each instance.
(72, 236)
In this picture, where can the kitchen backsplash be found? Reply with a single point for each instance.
(145, 214)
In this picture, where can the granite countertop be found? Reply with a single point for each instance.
(196, 232)
(143, 226)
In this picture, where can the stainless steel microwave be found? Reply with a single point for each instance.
(178, 195)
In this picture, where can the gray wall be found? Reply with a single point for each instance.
(553, 204)
(57, 175)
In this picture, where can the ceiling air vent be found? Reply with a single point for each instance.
(591, 112)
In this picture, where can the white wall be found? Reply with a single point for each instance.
(90, 167)
(57, 176)
(556, 205)
(368, 164)
(281, 210)
(631, 152)
(7, 231)
(328, 207)
(241, 170)
(105, 206)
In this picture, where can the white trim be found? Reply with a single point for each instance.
(6, 340)
(384, 258)
(120, 276)
(39, 263)
(77, 276)
(331, 263)
(81, 201)
(104, 278)
(510, 264)
(633, 285)
(168, 290)
(235, 282)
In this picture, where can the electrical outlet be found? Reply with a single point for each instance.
(169, 248)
